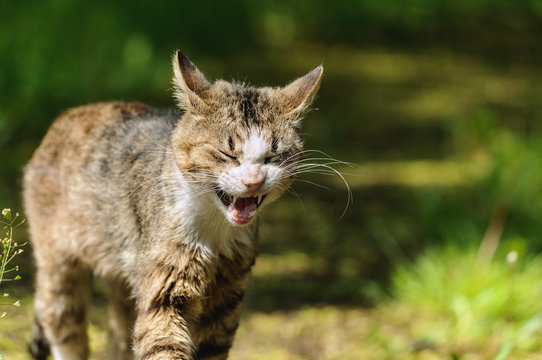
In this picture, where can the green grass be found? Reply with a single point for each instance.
(468, 307)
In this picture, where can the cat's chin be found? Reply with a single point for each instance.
(240, 210)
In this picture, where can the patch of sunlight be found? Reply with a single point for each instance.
(373, 65)
(436, 102)
(310, 333)
(15, 330)
(285, 264)
(416, 173)
(448, 98)
(97, 341)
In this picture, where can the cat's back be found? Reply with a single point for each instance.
(64, 151)
(70, 138)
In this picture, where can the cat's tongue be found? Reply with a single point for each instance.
(243, 210)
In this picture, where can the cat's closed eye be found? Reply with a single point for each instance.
(273, 159)
(230, 156)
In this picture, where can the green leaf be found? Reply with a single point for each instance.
(505, 350)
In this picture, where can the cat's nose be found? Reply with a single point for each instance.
(254, 181)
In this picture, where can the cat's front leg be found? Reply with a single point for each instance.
(162, 333)
(217, 327)
(168, 301)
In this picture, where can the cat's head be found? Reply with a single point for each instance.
(237, 143)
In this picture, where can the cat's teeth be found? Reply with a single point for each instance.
(259, 199)
(234, 199)
(252, 213)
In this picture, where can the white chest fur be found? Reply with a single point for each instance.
(204, 223)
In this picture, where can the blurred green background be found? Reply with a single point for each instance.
(436, 103)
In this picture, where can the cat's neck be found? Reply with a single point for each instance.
(201, 220)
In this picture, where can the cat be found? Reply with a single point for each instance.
(163, 205)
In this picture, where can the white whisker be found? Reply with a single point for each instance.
(319, 165)
(293, 192)
(314, 183)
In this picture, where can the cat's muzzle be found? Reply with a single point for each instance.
(241, 210)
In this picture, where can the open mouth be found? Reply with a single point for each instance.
(240, 209)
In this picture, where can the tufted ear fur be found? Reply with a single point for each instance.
(300, 93)
(189, 83)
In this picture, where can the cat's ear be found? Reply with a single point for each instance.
(300, 93)
(189, 83)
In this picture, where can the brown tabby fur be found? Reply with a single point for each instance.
(102, 196)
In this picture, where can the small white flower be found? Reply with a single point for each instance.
(512, 257)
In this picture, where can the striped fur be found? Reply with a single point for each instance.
(144, 198)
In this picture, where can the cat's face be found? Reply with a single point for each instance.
(238, 144)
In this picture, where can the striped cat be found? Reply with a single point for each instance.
(163, 206)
